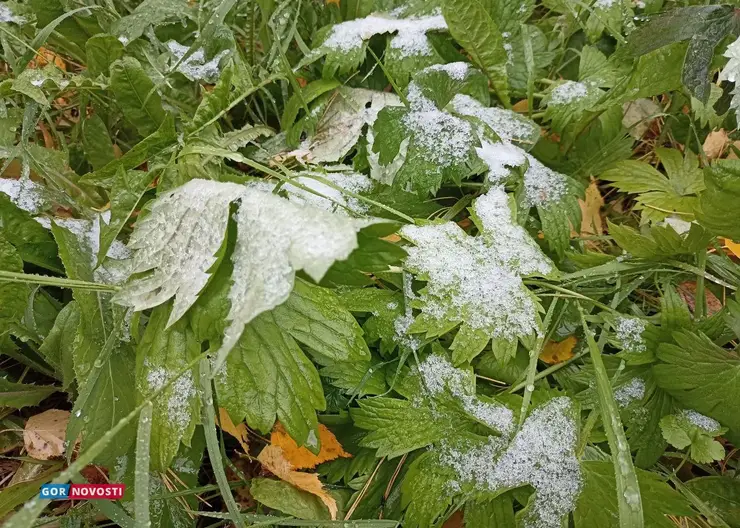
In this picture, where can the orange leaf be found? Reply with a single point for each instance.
(521, 106)
(332, 2)
(44, 57)
(734, 247)
(44, 434)
(274, 461)
(300, 457)
(591, 221)
(557, 352)
(237, 431)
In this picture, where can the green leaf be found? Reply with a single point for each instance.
(496, 513)
(681, 433)
(150, 146)
(102, 51)
(476, 31)
(314, 317)
(152, 13)
(268, 375)
(96, 142)
(161, 353)
(14, 295)
(128, 188)
(30, 83)
(58, 346)
(299, 99)
(597, 504)
(716, 203)
(286, 498)
(136, 95)
(721, 494)
(19, 395)
(232, 83)
(75, 26)
(701, 376)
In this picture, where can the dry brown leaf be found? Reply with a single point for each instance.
(557, 352)
(715, 144)
(300, 457)
(237, 431)
(591, 221)
(333, 2)
(273, 460)
(44, 434)
(44, 57)
(521, 106)
(456, 520)
(687, 291)
(732, 247)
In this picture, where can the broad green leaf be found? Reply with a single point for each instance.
(658, 241)
(102, 51)
(96, 142)
(356, 377)
(496, 513)
(680, 431)
(14, 295)
(472, 26)
(232, 83)
(267, 376)
(19, 395)
(162, 352)
(58, 346)
(701, 376)
(152, 145)
(722, 181)
(597, 503)
(75, 26)
(136, 95)
(152, 13)
(31, 82)
(299, 99)
(721, 494)
(286, 498)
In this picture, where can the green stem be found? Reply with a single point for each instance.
(60, 282)
(700, 299)
(628, 489)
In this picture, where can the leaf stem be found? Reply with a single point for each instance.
(60, 282)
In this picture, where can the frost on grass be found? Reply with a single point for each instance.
(195, 67)
(178, 242)
(542, 185)
(178, 398)
(731, 72)
(632, 391)
(629, 331)
(24, 193)
(541, 455)
(440, 376)
(477, 280)
(508, 125)
(705, 423)
(410, 38)
(332, 199)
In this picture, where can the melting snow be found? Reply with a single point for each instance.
(456, 70)
(6, 15)
(335, 200)
(542, 185)
(178, 406)
(508, 125)
(500, 157)
(568, 92)
(632, 391)
(702, 422)
(629, 333)
(24, 192)
(195, 67)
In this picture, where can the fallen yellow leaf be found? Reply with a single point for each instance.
(300, 457)
(557, 352)
(715, 144)
(274, 461)
(44, 434)
(237, 431)
(733, 247)
(591, 221)
(46, 56)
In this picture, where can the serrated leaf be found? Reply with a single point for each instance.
(96, 142)
(58, 345)
(716, 202)
(151, 13)
(136, 95)
(267, 376)
(472, 26)
(14, 295)
(162, 352)
(284, 497)
(19, 395)
(300, 457)
(701, 376)
(681, 433)
(721, 494)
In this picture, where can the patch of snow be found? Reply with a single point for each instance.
(568, 92)
(632, 391)
(6, 15)
(195, 67)
(24, 192)
(508, 125)
(629, 331)
(332, 199)
(542, 185)
(181, 392)
(500, 157)
(699, 420)
(456, 70)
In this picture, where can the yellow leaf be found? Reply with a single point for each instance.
(591, 221)
(44, 434)
(273, 460)
(557, 352)
(715, 143)
(237, 431)
(333, 2)
(733, 247)
(300, 457)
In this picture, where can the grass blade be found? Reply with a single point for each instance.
(141, 474)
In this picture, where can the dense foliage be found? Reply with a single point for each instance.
(398, 263)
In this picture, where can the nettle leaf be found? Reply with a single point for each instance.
(541, 455)
(267, 375)
(441, 400)
(659, 241)
(696, 431)
(162, 353)
(700, 375)
(476, 282)
(597, 504)
(102, 51)
(19, 395)
(136, 95)
(58, 345)
(722, 181)
(13, 294)
(472, 26)
(658, 195)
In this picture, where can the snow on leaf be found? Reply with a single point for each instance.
(276, 238)
(731, 72)
(178, 240)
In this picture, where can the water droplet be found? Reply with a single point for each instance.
(530, 388)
